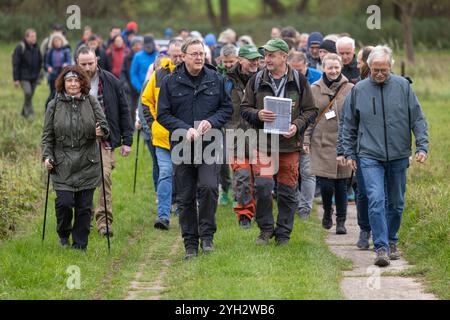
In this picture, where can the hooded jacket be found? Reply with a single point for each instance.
(160, 135)
(69, 140)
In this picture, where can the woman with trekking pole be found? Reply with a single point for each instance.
(73, 122)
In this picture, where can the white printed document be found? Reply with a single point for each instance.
(282, 108)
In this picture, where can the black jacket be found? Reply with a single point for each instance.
(103, 61)
(125, 74)
(27, 61)
(180, 104)
(351, 71)
(117, 110)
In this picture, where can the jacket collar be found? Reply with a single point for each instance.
(290, 75)
(373, 82)
(236, 73)
(181, 76)
(331, 90)
(62, 96)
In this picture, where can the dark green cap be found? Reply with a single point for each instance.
(249, 52)
(276, 45)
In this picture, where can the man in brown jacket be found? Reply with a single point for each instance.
(280, 80)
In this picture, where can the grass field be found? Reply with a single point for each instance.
(238, 269)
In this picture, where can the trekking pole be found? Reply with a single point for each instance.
(136, 161)
(46, 202)
(104, 196)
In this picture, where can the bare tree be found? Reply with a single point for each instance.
(210, 13)
(302, 6)
(276, 6)
(224, 14)
(407, 9)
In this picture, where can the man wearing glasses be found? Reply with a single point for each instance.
(194, 94)
(380, 114)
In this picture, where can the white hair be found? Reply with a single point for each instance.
(344, 41)
(381, 51)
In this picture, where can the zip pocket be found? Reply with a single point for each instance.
(373, 104)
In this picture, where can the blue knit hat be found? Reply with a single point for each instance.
(210, 40)
(315, 38)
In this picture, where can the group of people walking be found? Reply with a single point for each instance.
(351, 125)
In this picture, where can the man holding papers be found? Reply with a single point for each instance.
(277, 79)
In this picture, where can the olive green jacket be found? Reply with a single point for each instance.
(69, 139)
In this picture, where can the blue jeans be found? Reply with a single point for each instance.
(151, 148)
(164, 187)
(361, 201)
(307, 184)
(385, 186)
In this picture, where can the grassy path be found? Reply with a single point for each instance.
(237, 270)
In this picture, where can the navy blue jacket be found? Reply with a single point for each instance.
(180, 104)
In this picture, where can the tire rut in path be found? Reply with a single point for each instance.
(151, 290)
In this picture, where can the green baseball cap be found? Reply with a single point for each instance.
(276, 45)
(249, 52)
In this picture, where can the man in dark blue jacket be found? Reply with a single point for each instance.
(114, 101)
(27, 62)
(195, 93)
(380, 113)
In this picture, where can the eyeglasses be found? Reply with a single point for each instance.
(196, 54)
(382, 71)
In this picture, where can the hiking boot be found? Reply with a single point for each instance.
(207, 246)
(303, 214)
(281, 242)
(263, 238)
(64, 242)
(161, 224)
(382, 259)
(327, 221)
(190, 254)
(224, 199)
(394, 254)
(102, 231)
(79, 248)
(340, 226)
(363, 242)
(244, 222)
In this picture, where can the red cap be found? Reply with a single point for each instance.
(132, 26)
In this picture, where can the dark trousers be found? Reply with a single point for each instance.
(362, 203)
(197, 183)
(338, 187)
(81, 201)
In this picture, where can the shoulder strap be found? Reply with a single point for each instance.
(329, 105)
(257, 82)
